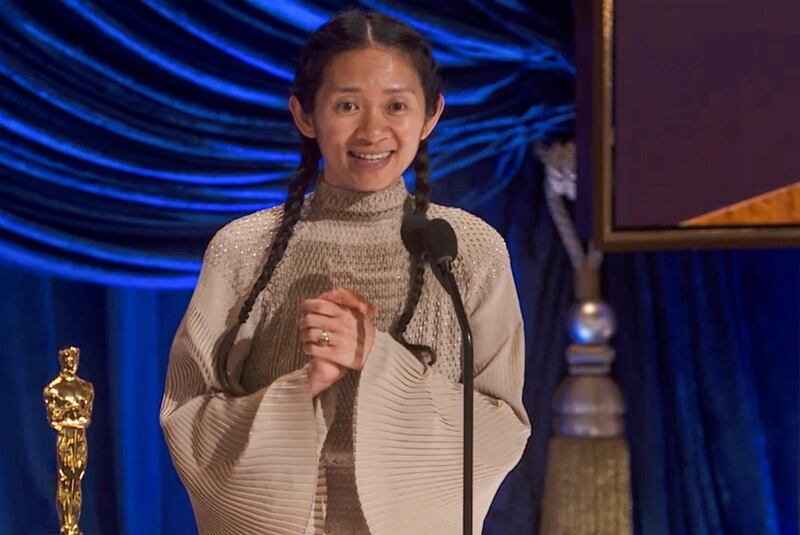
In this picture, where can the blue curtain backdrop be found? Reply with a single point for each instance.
(130, 132)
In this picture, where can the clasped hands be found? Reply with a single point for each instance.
(345, 317)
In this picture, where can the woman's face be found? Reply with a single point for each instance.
(369, 117)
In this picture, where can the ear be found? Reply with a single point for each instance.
(431, 120)
(301, 119)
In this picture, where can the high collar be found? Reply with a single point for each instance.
(336, 202)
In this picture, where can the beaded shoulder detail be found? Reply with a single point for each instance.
(482, 251)
(239, 248)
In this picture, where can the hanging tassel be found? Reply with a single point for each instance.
(587, 480)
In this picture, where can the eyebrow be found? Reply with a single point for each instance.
(357, 90)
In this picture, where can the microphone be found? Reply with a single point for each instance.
(441, 243)
(441, 246)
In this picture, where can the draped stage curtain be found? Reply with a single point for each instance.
(130, 132)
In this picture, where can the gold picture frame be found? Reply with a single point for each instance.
(595, 27)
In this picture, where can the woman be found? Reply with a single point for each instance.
(313, 384)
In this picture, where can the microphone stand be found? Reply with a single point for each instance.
(449, 283)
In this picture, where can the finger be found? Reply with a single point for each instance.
(329, 353)
(326, 370)
(321, 306)
(325, 362)
(318, 321)
(346, 295)
(317, 351)
(313, 336)
(350, 299)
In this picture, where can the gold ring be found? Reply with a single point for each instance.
(324, 338)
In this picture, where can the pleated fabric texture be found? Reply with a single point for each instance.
(380, 452)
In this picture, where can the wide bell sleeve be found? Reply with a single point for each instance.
(409, 421)
(248, 462)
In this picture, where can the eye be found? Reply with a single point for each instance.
(397, 107)
(346, 106)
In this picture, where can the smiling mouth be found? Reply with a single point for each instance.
(371, 156)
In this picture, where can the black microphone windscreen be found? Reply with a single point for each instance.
(411, 233)
(440, 241)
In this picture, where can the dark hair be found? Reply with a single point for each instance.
(350, 30)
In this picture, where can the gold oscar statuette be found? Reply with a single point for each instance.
(69, 410)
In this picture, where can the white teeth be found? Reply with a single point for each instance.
(372, 157)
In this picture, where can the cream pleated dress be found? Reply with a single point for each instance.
(379, 452)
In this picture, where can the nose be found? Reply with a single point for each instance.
(373, 127)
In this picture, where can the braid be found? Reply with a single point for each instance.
(422, 186)
(422, 190)
(306, 172)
